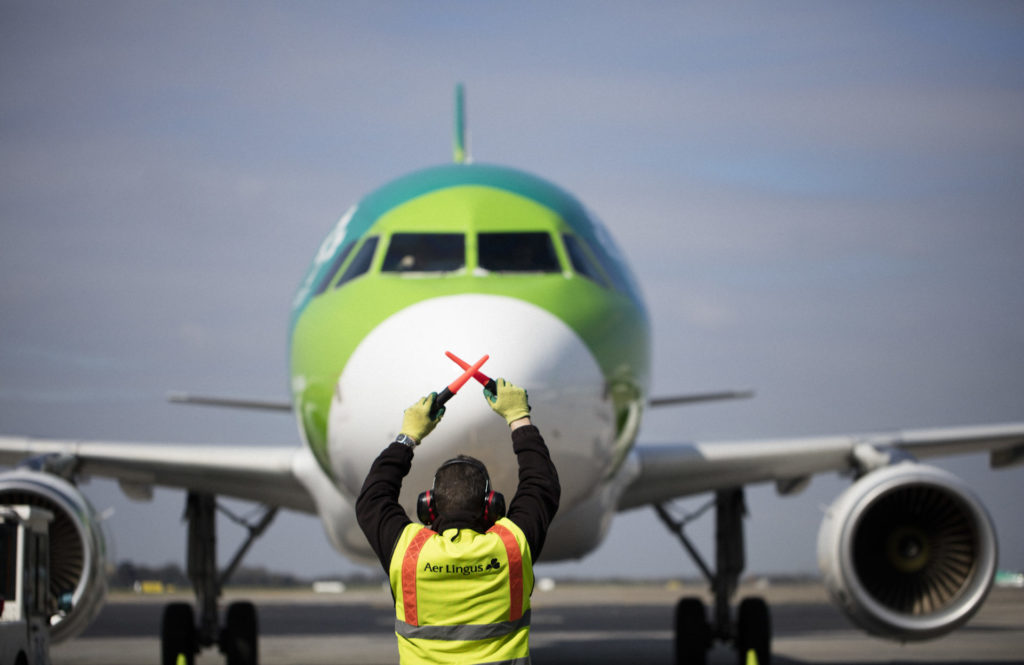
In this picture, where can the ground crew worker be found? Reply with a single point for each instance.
(462, 583)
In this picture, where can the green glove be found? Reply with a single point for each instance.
(511, 402)
(416, 421)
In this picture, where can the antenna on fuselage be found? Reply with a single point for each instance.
(461, 145)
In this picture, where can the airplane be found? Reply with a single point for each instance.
(489, 260)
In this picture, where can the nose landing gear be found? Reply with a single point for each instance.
(694, 632)
(181, 638)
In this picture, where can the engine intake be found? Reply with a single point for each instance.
(77, 547)
(908, 552)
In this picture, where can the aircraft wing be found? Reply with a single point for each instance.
(252, 473)
(668, 471)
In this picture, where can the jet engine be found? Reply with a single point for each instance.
(908, 552)
(77, 547)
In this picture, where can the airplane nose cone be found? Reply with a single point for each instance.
(404, 359)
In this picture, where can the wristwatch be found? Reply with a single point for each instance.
(407, 440)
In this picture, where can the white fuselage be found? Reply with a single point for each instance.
(527, 345)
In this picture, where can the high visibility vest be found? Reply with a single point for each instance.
(462, 596)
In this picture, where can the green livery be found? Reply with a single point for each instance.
(352, 287)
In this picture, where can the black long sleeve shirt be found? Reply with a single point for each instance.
(382, 518)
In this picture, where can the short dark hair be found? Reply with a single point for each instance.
(460, 484)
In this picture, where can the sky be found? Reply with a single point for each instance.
(822, 202)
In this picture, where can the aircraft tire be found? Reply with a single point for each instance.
(693, 632)
(754, 630)
(178, 634)
(240, 639)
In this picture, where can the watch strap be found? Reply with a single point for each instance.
(407, 440)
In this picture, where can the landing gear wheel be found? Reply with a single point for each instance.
(178, 634)
(238, 641)
(693, 632)
(754, 631)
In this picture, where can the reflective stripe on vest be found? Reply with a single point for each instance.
(462, 633)
(412, 557)
(515, 570)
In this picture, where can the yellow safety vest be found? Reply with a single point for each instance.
(462, 596)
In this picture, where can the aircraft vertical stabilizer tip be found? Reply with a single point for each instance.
(461, 153)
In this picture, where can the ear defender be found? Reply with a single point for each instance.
(494, 502)
(425, 507)
(494, 507)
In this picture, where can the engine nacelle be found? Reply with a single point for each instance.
(77, 547)
(908, 552)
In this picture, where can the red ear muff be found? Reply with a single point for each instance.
(425, 508)
(494, 507)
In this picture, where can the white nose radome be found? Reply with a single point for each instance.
(404, 359)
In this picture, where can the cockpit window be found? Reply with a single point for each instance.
(361, 262)
(329, 274)
(517, 252)
(425, 252)
(581, 261)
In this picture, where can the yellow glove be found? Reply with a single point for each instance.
(416, 420)
(510, 402)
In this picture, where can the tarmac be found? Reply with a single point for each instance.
(572, 624)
